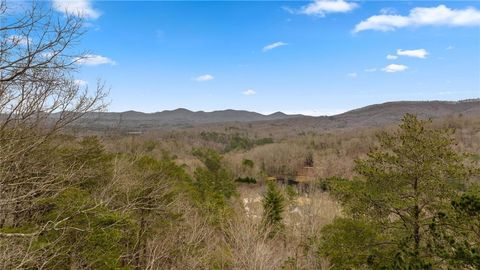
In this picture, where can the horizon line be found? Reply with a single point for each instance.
(298, 112)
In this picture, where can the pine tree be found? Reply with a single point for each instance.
(409, 177)
(213, 186)
(273, 207)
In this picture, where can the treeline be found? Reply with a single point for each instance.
(234, 141)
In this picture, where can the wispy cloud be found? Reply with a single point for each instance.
(450, 47)
(274, 45)
(419, 53)
(93, 26)
(388, 11)
(19, 40)
(80, 8)
(249, 92)
(421, 16)
(392, 68)
(391, 57)
(81, 83)
(322, 7)
(352, 74)
(370, 69)
(204, 78)
(48, 54)
(95, 60)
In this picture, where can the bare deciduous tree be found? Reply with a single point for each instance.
(38, 97)
(37, 61)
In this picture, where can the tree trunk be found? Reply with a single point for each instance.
(416, 220)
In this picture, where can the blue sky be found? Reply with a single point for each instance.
(316, 58)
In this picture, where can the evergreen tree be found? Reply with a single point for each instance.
(84, 234)
(457, 231)
(213, 185)
(150, 199)
(404, 182)
(273, 207)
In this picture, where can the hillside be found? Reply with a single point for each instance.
(373, 115)
(391, 112)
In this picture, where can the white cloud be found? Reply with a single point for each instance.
(204, 78)
(450, 47)
(19, 40)
(48, 54)
(352, 75)
(81, 83)
(440, 15)
(388, 11)
(249, 92)
(274, 45)
(80, 8)
(382, 23)
(370, 69)
(391, 57)
(95, 60)
(322, 7)
(420, 53)
(392, 68)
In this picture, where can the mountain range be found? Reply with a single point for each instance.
(373, 115)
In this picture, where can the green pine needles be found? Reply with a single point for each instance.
(273, 207)
(404, 183)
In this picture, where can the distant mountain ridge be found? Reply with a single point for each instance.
(372, 115)
(177, 117)
(391, 112)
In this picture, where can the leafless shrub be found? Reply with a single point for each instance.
(189, 244)
(251, 247)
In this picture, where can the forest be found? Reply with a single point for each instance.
(403, 196)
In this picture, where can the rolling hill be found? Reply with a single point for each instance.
(373, 115)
